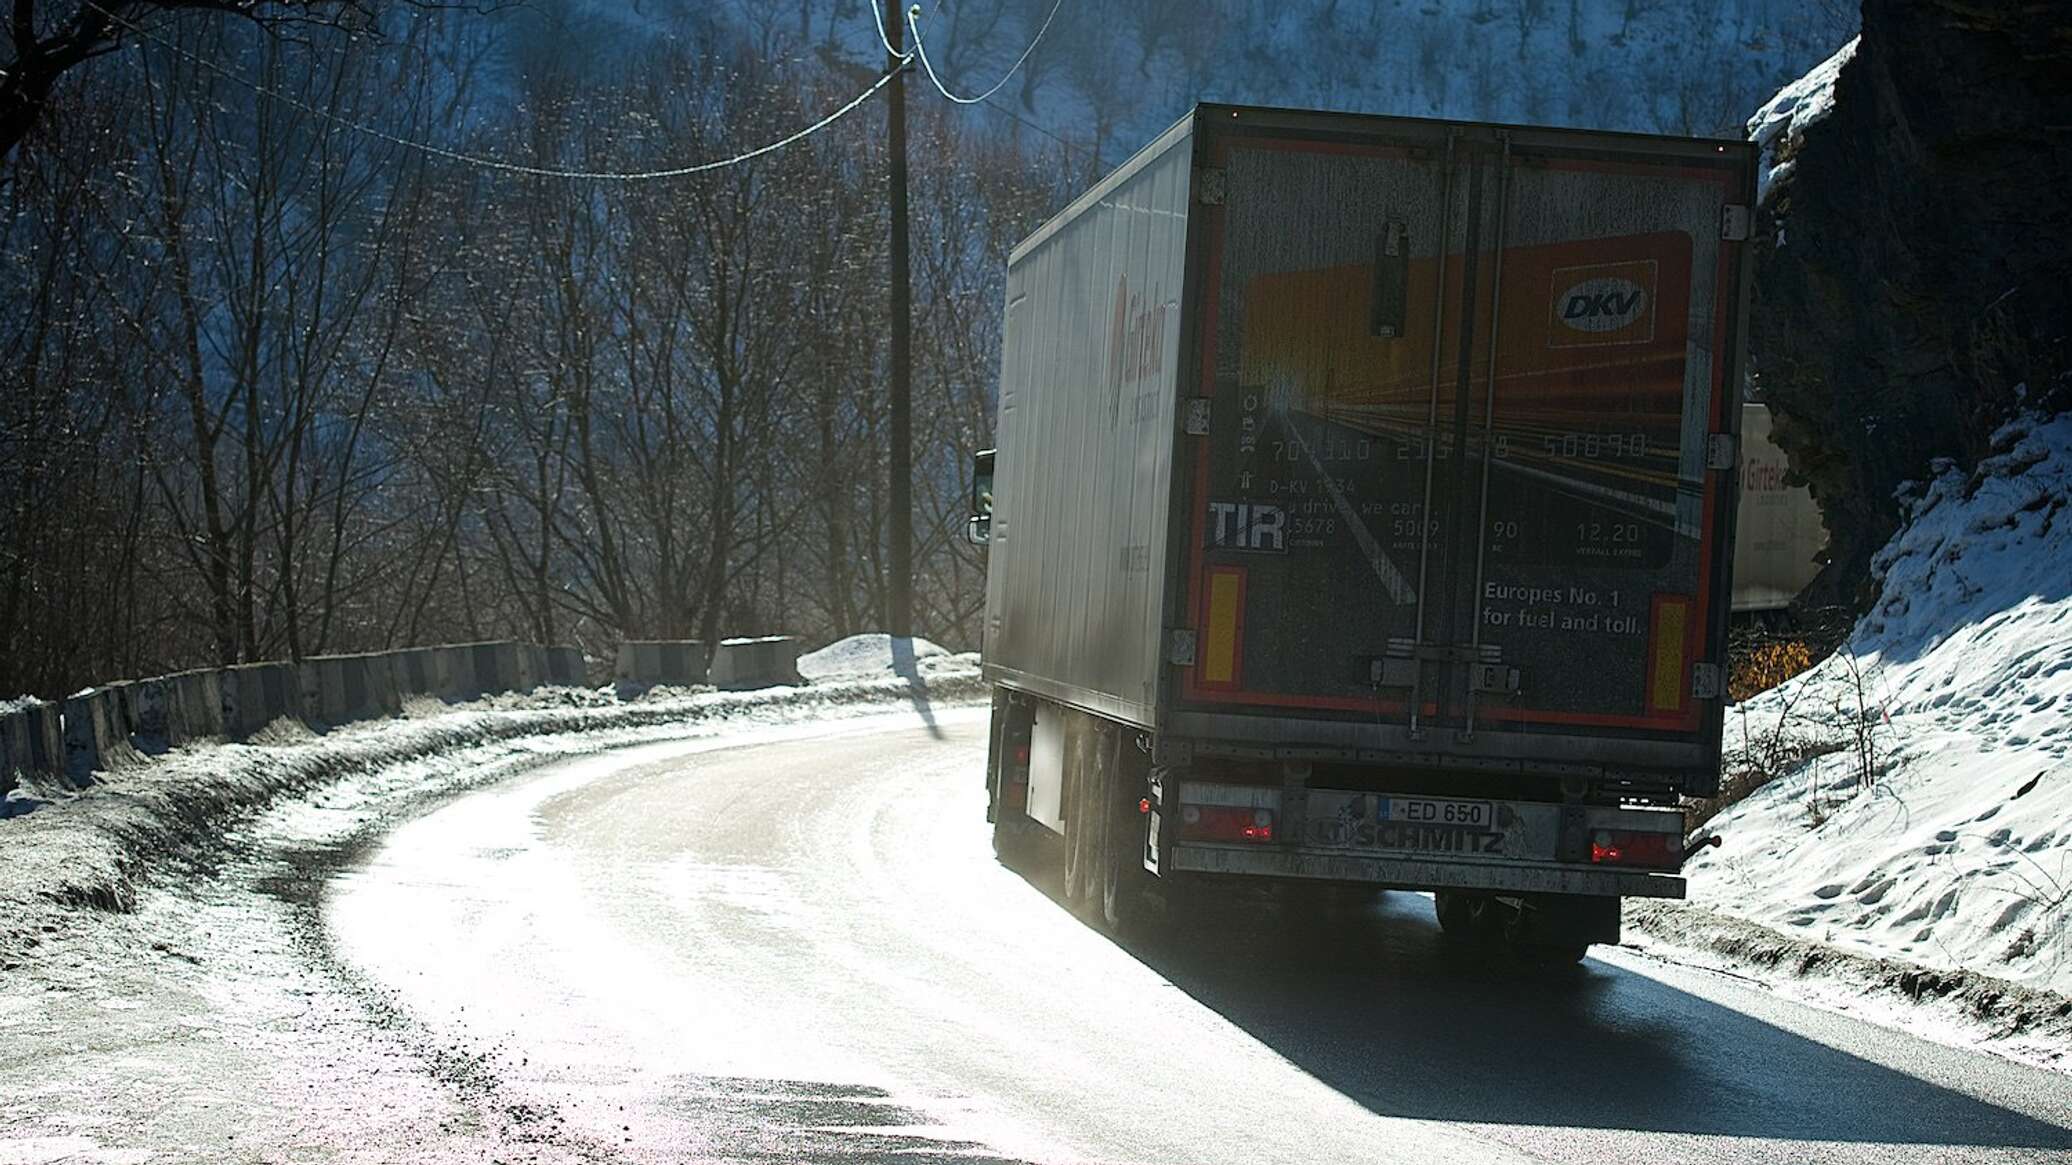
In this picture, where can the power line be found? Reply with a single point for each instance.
(884, 38)
(497, 163)
(1053, 135)
(921, 50)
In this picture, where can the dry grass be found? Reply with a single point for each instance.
(1763, 665)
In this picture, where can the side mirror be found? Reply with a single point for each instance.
(980, 528)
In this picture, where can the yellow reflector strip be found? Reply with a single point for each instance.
(1226, 600)
(1666, 638)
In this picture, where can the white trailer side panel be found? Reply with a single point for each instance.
(1075, 585)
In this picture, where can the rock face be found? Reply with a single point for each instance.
(1914, 259)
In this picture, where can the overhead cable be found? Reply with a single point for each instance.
(921, 50)
(498, 164)
(885, 38)
(1053, 135)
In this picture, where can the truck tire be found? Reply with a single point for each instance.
(1082, 882)
(1555, 931)
(1466, 919)
(1551, 956)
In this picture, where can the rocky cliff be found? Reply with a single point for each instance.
(1914, 257)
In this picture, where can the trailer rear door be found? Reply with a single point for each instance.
(1467, 387)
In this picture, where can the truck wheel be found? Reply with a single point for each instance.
(1552, 956)
(1463, 918)
(1081, 880)
(1122, 869)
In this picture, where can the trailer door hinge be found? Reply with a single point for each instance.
(1705, 681)
(1180, 647)
(1735, 221)
(1197, 416)
(1719, 451)
(1209, 184)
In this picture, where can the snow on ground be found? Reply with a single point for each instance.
(872, 653)
(89, 851)
(1779, 126)
(1921, 806)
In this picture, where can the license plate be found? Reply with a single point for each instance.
(1372, 821)
(1476, 815)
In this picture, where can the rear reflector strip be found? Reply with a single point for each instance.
(1221, 648)
(1668, 637)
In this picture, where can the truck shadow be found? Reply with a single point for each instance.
(1368, 1000)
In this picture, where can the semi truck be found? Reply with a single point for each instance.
(1778, 532)
(1361, 512)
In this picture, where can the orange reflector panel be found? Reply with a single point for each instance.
(1220, 646)
(1668, 665)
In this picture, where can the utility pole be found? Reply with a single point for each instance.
(900, 461)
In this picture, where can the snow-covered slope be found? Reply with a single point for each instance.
(1923, 802)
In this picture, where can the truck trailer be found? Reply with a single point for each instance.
(1778, 531)
(1361, 512)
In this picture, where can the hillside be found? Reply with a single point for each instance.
(1117, 73)
(1922, 776)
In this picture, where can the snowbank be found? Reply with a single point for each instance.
(88, 851)
(1778, 126)
(873, 653)
(1922, 800)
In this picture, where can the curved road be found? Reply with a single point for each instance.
(801, 949)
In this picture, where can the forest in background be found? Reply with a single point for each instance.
(277, 383)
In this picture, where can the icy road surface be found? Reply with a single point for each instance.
(793, 944)
(804, 951)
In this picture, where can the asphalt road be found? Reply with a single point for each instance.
(804, 951)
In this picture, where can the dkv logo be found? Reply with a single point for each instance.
(1603, 305)
(1611, 303)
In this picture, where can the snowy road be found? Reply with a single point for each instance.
(803, 950)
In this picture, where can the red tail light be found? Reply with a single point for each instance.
(1014, 783)
(1225, 823)
(1624, 847)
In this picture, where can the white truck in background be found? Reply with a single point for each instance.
(1778, 533)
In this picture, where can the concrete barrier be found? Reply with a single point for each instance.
(756, 663)
(32, 744)
(565, 667)
(97, 732)
(15, 758)
(457, 672)
(168, 711)
(532, 667)
(46, 737)
(257, 694)
(678, 662)
(420, 671)
(340, 689)
(492, 668)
